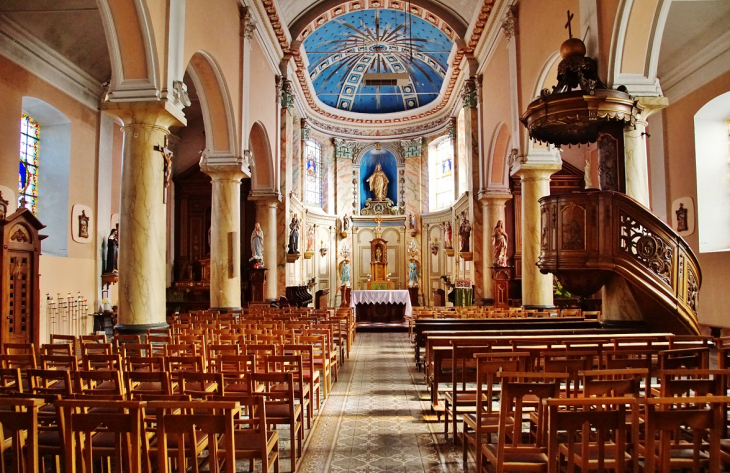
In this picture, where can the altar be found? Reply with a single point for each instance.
(381, 306)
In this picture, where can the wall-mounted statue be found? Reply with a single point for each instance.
(3, 207)
(378, 183)
(294, 235)
(411, 222)
(448, 236)
(345, 273)
(464, 234)
(412, 273)
(346, 223)
(112, 252)
(257, 243)
(310, 238)
(499, 242)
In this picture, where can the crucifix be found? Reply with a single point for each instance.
(568, 25)
(167, 163)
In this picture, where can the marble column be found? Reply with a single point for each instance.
(225, 232)
(142, 220)
(494, 211)
(471, 99)
(537, 288)
(635, 156)
(266, 216)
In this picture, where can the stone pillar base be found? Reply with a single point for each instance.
(137, 329)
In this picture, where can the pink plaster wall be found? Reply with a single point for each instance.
(682, 181)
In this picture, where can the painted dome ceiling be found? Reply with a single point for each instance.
(345, 48)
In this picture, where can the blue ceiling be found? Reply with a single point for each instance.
(346, 47)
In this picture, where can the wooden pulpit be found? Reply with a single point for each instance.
(379, 265)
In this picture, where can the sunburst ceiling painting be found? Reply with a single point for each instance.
(380, 41)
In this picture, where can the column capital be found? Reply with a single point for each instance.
(648, 106)
(160, 113)
(494, 197)
(265, 199)
(536, 171)
(223, 167)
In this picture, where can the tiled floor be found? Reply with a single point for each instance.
(374, 419)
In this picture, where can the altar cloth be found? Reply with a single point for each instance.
(398, 296)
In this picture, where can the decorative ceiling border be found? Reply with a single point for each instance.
(358, 5)
(309, 95)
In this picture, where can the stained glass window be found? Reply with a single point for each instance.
(314, 174)
(442, 170)
(30, 133)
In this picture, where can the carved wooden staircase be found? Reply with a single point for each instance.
(588, 238)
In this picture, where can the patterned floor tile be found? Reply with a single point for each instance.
(379, 416)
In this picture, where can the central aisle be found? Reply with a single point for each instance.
(374, 419)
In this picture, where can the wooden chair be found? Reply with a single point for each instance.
(96, 348)
(293, 364)
(193, 363)
(103, 429)
(98, 383)
(19, 421)
(199, 385)
(44, 382)
(278, 390)
(94, 362)
(10, 381)
(703, 423)
(63, 349)
(134, 349)
(311, 375)
(520, 389)
(688, 358)
(485, 420)
(571, 362)
(321, 360)
(144, 363)
(235, 370)
(460, 399)
(181, 425)
(147, 382)
(69, 339)
(595, 431)
(96, 338)
(252, 437)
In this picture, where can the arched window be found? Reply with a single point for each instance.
(30, 135)
(314, 185)
(441, 156)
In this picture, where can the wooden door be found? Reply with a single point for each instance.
(18, 324)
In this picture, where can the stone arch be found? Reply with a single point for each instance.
(263, 177)
(635, 44)
(132, 50)
(215, 104)
(498, 170)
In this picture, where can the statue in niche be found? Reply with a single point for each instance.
(257, 243)
(83, 225)
(681, 213)
(378, 183)
(294, 235)
(345, 273)
(448, 236)
(464, 234)
(412, 273)
(499, 242)
(378, 255)
(112, 252)
(310, 238)
(411, 222)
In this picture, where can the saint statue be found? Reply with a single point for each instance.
(448, 236)
(378, 183)
(378, 255)
(411, 222)
(345, 273)
(294, 235)
(499, 242)
(310, 238)
(681, 213)
(345, 223)
(257, 243)
(412, 273)
(464, 234)
(112, 252)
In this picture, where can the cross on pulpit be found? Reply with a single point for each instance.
(568, 26)
(167, 163)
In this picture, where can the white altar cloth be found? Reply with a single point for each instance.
(397, 296)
